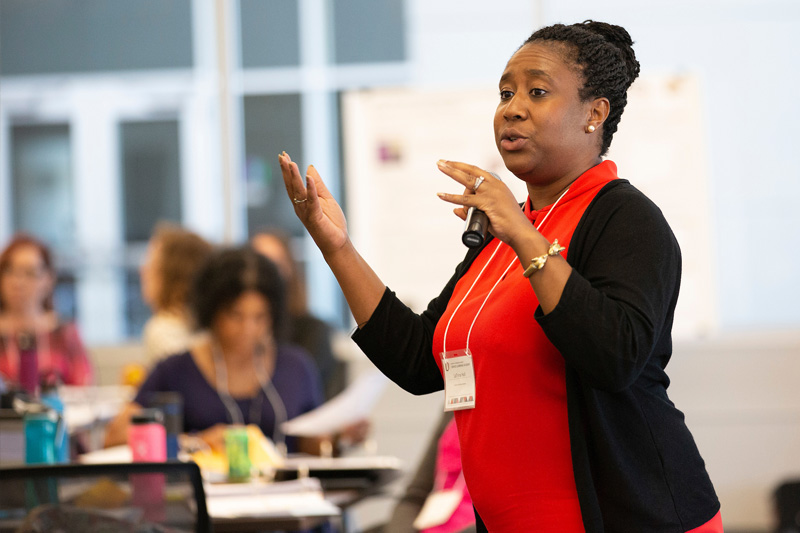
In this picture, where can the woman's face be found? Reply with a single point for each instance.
(540, 122)
(148, 273)
(25, 282)
(244, 324)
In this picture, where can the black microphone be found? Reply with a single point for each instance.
(477, 225)
(475, 228)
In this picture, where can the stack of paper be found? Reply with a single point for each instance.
(302, 497)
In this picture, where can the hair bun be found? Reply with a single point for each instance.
(621, 39)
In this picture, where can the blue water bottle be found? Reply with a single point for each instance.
(49, 392)
(41, 429)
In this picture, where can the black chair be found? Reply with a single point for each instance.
(134, 497)
(787, 506)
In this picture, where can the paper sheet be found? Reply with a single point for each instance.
(115, 454)
(350, 406)
(356, 462)
(291, 498)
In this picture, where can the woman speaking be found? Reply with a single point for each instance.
(551, 338)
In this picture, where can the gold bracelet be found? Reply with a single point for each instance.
(537, 263)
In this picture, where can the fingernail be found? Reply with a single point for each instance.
(441, 195)
(442, 163)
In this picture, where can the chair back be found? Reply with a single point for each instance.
(129, 497)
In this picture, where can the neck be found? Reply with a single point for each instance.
(25, 317)
(237, 356)
(543, 195)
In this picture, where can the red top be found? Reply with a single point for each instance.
(515, 442)
(59, 352)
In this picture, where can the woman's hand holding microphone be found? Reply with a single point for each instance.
(485, 191)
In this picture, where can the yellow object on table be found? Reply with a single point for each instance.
(133, 374)
(262, 452)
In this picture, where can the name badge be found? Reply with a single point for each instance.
(459, 380)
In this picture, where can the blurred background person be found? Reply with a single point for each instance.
(174, 255)
(303, 329)
(241, 372)
(307, 331)
(438, 471)
(27, 280)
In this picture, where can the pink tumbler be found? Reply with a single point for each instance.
(147, 436)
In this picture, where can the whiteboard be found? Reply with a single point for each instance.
(393, 138)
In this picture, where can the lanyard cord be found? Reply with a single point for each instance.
(221, 370)
(267, 387)
(447, 328)
(503, 275)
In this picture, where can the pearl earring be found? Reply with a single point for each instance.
(590, 128)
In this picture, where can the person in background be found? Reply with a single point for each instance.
(308, 331)
(553, 336)
(304, 329)
(27, 280)
(242, 371)
(438, 470)
(173, 258)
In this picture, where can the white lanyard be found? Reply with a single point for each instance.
(268, 388)
(500, 243)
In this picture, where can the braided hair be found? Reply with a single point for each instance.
(604, 56)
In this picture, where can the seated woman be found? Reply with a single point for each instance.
(304, 329)
(242, 373)
(27, 320)
(173, 258)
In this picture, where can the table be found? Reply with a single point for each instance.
(308, 491)
(258, 506)
(343, 482)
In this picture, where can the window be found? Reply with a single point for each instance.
(60, 36)
(271, 124)
(269, 33)
(366, 31)
(151, 176)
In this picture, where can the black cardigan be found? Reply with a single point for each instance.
(635, 462)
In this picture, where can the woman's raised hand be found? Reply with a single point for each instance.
(315, 206)
(492, 196)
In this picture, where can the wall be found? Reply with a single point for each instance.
(739, 394)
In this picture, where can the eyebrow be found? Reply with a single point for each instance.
(531, 73)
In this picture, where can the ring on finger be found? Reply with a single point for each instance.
(478, 181)
(298, 201)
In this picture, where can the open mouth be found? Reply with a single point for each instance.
(512, 142)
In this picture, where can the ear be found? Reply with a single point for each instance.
(598, 113)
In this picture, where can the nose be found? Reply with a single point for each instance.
(515, 108)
